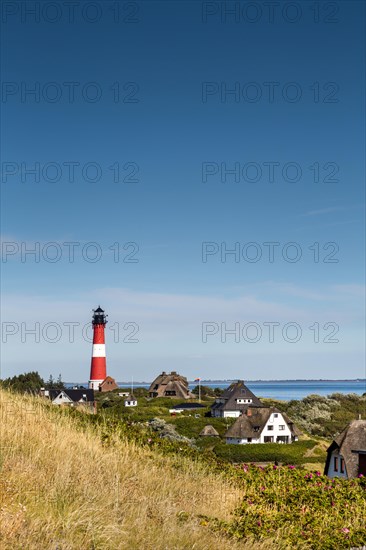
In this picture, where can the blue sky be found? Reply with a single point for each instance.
(173, 131)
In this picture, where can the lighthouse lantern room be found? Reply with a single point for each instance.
(98, 368)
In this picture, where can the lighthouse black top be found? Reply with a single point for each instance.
(99, 318)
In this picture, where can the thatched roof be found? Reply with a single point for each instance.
(237, 390)
(294, 429)
(170, 385)
(252, 426)
(353, 438)
(209, 431)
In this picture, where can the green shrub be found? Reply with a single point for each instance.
(302, 510)
(293, 453)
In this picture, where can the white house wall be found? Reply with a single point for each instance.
(232, 414)
(331, 471)
(236, 441)
(61, 399)
(275, 432)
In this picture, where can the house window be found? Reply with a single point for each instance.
(342, 465)
(249, 439)
(362, 463)
(275, 415)
(336, 463)
(281, 427)
(270, 427)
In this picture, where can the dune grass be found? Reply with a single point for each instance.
(61, 488)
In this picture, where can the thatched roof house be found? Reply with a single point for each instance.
(209, 431)
(262, 425)
(234, 401)
(170, 385)
(347, 454)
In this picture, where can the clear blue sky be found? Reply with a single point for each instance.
(172, 135)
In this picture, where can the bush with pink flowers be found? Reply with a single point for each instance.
(300, 509)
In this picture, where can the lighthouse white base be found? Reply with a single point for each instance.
(94, 384)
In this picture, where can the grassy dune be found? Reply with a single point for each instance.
(61, 488)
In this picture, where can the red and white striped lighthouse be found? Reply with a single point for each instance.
(98, 368)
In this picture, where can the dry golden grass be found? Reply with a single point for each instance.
(62, 489)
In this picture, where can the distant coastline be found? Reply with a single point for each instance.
(258, 381)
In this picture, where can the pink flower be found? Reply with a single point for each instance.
(345, 530)
(291, 467)
(360, 475)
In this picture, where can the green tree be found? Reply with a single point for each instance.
(55, 384)
(140, 392)
(60, 384)
(206, 391)
(29, 382)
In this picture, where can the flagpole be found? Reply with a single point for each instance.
(199, 390)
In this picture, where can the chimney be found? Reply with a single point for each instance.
(249, 411)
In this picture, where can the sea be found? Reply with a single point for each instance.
(284, 390)
(288, 390)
